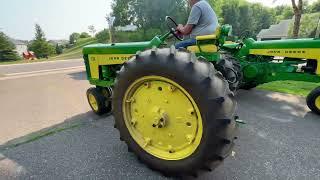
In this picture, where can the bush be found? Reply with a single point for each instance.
(42, 49)
(136, 36)
(84, 35)
(59, 49)
(7, 49)
(103, 36)
(74, 37)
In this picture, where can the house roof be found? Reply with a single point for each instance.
(277, 30)
(18, 42)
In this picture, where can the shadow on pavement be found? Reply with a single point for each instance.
(79, 75)
(279, 141)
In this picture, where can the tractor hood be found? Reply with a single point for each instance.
(283, 44)
(121, 48)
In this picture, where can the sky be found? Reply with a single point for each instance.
(60, 18)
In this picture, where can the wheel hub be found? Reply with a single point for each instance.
(318, 102)
(162, 118)
(93, 102)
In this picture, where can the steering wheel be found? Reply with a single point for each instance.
(172, 25)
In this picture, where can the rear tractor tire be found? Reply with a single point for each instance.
(99, 100)
(176, 113)
(313, 100)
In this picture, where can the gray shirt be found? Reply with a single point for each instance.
(203, 18)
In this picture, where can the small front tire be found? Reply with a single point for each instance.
(97, 101)
(313, 100)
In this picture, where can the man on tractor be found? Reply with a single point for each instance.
(202, 21)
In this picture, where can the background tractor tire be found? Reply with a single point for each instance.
(97, 101)
(313, 100)
(248, 86)
(231, 70)
(206, 87)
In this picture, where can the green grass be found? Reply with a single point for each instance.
(72, 53)
(291, 87)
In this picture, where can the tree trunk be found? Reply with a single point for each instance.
(297, 17)
(296, 26)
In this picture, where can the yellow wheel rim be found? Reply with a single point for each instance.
(162, 118)
(318, 102)
(93, 102)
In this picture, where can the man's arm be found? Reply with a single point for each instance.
(185, 30)
(193, 20)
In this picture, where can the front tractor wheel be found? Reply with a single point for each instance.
(174, 112)
(98, 100)
(313, 100)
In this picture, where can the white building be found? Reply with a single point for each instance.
(275, 32)
(127, 28)
(21, 46)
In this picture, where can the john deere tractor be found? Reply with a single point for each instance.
(175, 108)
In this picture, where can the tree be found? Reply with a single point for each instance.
(217, 6)
(298, 10)
(148, 14)
(7, 49)
(246, 20)
(122, 10)
(315, 7)
(74, 37)
(92, 30)
(103, 36)
(263, 17)
(39, 45)
(84, 35)
(231, 15)
(59, 49)
(39, 36)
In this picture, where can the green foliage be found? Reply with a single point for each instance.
(315, 7)
(291, 87)
(84, 35)
(136, 36)
(283, 12)
(103, 36)
(7, 49)
(74, 37)
(59, 49)
(263, 17)
(247, 19)
(39, 45)
(231, 15)
(217, 6)
(308, 25)
(123, 12)
(148, 14)
(39, 36)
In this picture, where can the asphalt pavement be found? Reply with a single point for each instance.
(40, 66)
(280, 139)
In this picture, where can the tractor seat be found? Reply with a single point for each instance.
(208, 48)
(211, 36)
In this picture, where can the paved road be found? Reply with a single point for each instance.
(40, 66)
(35, 100)
(281, 139)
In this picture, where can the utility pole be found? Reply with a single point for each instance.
(110, 19)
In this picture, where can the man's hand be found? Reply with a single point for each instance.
(180, 28)
(184, 30)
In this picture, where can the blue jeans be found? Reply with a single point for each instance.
(186, 43)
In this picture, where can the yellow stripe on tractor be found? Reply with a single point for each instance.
(96, 60)
(304, 53)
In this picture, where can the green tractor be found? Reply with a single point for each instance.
(175, 109)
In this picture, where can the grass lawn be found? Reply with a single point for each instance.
(290, 87)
